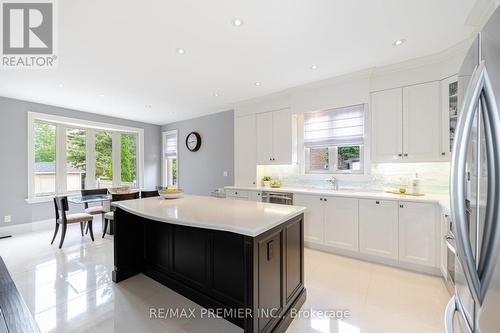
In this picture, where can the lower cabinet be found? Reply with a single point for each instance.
(341, 223)
(314, 230)
(378, 228)
(418, 233)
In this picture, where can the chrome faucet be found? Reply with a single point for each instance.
(334, 181)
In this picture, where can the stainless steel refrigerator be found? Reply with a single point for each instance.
(475, 189)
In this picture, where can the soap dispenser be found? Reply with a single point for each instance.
(415, 185)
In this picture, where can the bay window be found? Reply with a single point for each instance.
(67, 155)
(334, 140)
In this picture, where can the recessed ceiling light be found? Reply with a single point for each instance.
(180, 51)
(101, 95)
(398, 42)
(216, 95)
(237, 22)
(313, 67)
(60, 85)
(257, 84)
(148, 106)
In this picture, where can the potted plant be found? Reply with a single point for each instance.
(266, 180)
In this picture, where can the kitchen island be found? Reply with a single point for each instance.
(243, 260)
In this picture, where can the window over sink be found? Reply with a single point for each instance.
(334, 140)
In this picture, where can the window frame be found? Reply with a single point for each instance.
(62, 124)
(365, 149)
(164, 163)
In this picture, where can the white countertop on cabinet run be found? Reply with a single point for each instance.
(247, 218)
(442, 199)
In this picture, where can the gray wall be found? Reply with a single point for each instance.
(13, 152)
(201, 172)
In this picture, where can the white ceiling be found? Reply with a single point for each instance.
(117, 56)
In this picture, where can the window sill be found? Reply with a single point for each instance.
(38, 200)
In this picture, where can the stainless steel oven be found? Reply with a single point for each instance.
(277, 197)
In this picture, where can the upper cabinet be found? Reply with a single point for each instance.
(275, 137)
(449, 94)
(387, 120)
(406, 124)
(421, 119)
(245, 150)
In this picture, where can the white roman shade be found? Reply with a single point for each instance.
(171, 145)
(342, 126)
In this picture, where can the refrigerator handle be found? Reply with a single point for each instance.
(451, 308)
(457, 177)
(491, 235)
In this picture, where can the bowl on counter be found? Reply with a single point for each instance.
(171, 193)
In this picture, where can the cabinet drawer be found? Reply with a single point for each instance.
(237, 194)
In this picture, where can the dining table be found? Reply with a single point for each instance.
(105, 199)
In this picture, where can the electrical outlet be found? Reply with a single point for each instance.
(225, 173)
(7, 218)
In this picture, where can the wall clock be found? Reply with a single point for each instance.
(193, 141)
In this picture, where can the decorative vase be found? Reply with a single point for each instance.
(267, 183)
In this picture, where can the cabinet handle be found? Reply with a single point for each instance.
(401, 206)
(377, 202)
(405, 155)
(236, 193)
(443, 153)
(325, 199)
(400, 155)
(320, 199)
(270, 158)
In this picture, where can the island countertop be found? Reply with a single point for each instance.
(247, 218)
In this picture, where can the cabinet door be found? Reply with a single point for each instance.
(341, 223)
(245, 146)
(313, 217)
(387, 121)
(417, 233)
(378, 228)
(255, 196)
(264, 138)
(282, 137)
(421, 122)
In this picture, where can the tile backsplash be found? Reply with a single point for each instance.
(434, 177)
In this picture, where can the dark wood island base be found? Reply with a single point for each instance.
(254, 282)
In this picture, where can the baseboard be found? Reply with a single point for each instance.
(384, 261)
(17, 229)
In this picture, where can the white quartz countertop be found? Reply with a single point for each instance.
(247, 218)
(443, 200)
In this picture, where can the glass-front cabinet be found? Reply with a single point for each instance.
(449, 94)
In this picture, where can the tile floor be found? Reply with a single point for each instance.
(70, 290)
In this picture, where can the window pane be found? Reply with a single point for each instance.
(319, 159)
(45, 158)
(76, 159)
(348, 158)
(128, 160)
(104, 159)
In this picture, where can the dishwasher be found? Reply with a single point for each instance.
(277, 197)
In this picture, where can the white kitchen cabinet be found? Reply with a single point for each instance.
(406, 124)
(378, 228)
(449, 112)
(255, 196)
(341, 222)
(314, 229)
(421, 122)
(264, 138)
(275, 137)
(387, 131)
(417, 233)
(245, 146)
(237, 194)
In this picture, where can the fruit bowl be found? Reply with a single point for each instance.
(171, 193)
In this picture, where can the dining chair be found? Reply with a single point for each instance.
(110, 216)
(95, 210)
(63, 219)
(149, 194)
